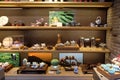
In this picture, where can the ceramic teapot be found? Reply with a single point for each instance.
(98, 20)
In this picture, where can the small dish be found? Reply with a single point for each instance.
(7, 42)
(3, 20)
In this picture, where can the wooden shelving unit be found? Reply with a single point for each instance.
(13, 4)
(37, 4)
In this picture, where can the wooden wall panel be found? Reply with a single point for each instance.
(114, 21)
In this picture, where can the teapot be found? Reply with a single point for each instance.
(98, 20)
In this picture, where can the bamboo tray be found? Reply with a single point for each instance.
(76, 47)
(29, 70)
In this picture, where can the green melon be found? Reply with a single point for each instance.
(54, 62)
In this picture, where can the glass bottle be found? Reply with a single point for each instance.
(58, 38)
(82, 41)
(92, 41)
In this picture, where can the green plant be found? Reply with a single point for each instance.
(64, 17)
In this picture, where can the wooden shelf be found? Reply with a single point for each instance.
(64, 75)
(53, 28)
(13, 4)
(84, 50)
(89, 49)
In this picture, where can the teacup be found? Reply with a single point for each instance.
(42, 64)
(28, 64)
(43, 44)
(34, 63)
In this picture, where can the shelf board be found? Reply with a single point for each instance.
(13, 4)
(65, 75)
(89, 49)
(53, 28)
(84, 50)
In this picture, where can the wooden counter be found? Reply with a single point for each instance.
(64, 75)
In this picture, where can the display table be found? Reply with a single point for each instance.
(50, 75)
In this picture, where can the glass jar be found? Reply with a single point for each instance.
(97, 40)
(87, 42)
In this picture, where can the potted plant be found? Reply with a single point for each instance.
(54, 64)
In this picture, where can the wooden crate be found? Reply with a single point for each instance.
(106, 74)
(7, 68)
